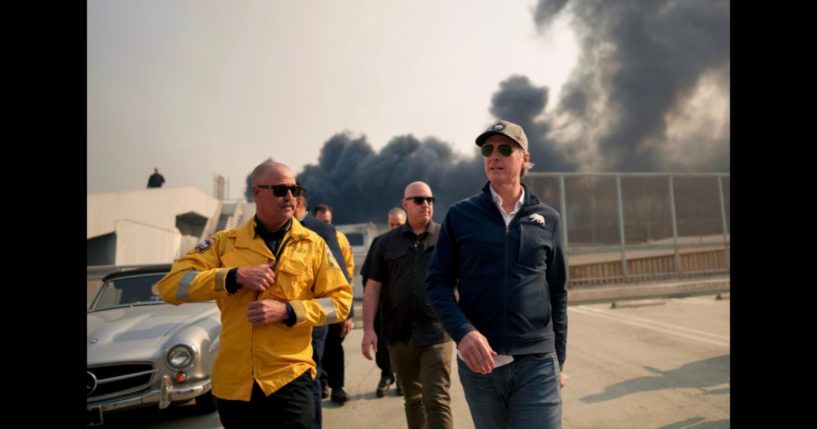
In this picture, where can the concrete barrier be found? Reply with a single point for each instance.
(664, 289)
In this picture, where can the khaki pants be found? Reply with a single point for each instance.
(425, 377)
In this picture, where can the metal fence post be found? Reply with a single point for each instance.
(723, 220)
(563, 203)
(621, 226)
(674, 224)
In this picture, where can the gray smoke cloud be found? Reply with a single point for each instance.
(649, 93)
(362, 185)
(650, 90)
(519, 101)
(546, 11)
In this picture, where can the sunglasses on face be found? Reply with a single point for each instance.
(419, 200)
(281, 190)
(504, 149)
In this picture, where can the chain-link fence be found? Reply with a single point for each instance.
(638, 226)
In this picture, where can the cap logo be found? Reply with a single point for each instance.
(499, 126)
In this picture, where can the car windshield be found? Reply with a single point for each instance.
(128, 291)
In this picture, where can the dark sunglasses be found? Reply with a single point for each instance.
(281, 190)
(419, 200)
(504, 149)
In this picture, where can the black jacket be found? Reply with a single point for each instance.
(399, 261)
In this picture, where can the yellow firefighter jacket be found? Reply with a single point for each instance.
(306, 275)
(346, 251)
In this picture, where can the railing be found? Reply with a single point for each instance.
(635, 227)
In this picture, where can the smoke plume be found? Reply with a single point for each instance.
(650, 92)
(363, 186)
(651, 89)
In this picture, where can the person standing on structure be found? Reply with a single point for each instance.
(156, 180)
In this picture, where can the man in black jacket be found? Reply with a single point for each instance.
(501, 250)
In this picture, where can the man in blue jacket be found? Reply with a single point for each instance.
(319, 333)
(501, 250)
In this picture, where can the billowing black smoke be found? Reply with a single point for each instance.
(363, 186)
(520, 102)
(641, 63)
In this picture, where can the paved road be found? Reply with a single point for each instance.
(645, 364)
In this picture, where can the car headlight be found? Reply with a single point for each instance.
(180, 356)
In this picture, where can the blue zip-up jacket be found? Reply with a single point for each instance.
(327, 231)
(512, 281)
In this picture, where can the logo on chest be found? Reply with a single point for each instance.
(536, 217)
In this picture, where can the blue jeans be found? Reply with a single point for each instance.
(523, 394)
(318, 341)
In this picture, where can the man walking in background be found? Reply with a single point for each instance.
(328, 233)
(420, 350)
(333, 360)
(396, 217)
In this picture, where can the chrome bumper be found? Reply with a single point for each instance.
(163, 396)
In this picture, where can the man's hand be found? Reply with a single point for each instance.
(346, 326)
(369, 343)
(477, 353)
(266, 312)
(258, 278)
(562, 379)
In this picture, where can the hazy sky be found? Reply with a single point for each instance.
(203, 87)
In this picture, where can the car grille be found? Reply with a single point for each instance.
(113, 380)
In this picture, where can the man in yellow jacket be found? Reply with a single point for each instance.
(273, 280)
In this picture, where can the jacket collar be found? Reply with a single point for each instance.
(529, 199)
(245, 236)
(262, 231)
(430, 239)
(406, 228)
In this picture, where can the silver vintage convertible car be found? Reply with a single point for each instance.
(143, 352)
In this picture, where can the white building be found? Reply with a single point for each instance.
(155, 225)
